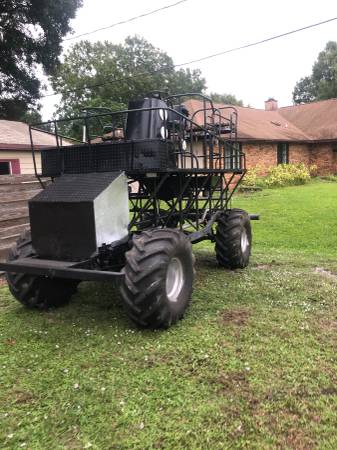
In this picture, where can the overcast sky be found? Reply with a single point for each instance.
(197, 28)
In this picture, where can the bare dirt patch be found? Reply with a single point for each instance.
(298, 440)
(326, 273)
(20, 396)
(263, 267)
(238, 317)
(330, 390)
(328, 324)
(231, 381)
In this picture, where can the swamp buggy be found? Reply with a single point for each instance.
(127, 201)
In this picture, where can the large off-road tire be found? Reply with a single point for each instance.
(233, 239)
(159, 276)
(36, 291)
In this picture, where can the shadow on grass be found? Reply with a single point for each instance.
(94, 303)
(100, 304)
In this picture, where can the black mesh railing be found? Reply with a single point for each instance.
(167, 140)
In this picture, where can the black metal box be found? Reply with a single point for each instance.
(76, 214)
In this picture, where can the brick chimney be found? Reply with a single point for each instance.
(270, 104)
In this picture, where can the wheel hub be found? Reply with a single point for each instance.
(174, 279)
(244, 241)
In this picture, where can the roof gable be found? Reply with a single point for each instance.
(309, 122)
(318, 119)
(15, 135)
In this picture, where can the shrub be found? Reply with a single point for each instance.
(287, 174)
(253, 179)
(250, 178)
(313, 170)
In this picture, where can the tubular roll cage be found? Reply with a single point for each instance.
(217, 152)
(209, 166)
(189, 194)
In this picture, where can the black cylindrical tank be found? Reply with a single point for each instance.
(147, 124)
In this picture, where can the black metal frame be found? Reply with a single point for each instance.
(59, 269)
(190, 196)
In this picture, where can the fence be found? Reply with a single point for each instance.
(15, 191)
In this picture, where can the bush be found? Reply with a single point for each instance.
(313, 169)
(278, 176)
(252, 178)
(287, 175)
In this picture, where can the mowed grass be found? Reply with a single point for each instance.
(253, 364)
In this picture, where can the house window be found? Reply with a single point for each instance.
(233, 156)
(5, 168)
(283, 153)
(10, 167)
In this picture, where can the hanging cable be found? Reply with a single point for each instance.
(122, 22)
(204, 58)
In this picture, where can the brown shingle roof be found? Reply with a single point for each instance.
(15, 135)
(318, 119)
(308, 122)
(313, 121)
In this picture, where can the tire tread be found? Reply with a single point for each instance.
(144, 271)
(227, 239)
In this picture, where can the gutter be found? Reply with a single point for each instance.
(308, 141)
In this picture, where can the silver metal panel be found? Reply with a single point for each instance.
(111, 211)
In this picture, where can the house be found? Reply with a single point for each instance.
(302, 133)
(293, 134)
(15, 150)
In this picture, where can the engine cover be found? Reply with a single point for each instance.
(77, 214)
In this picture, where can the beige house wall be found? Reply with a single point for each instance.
(25, 158)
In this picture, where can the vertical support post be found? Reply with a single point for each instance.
(92, 155)
(34, 157)
(58, 146)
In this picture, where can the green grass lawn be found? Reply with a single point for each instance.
(253, 364)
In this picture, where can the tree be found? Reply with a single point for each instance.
(107, 74)
(30, 40)
(304, 91)
(322, 83)
(228, 99)
(31, 116)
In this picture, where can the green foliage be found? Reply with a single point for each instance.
(30, 39)
(250, 178)
(31, 116)
(253, 179)
(313, 170)
(287, 174)
(84, 77)
(278, 176)
(227, 99)
(304, 91)
(322, 83)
